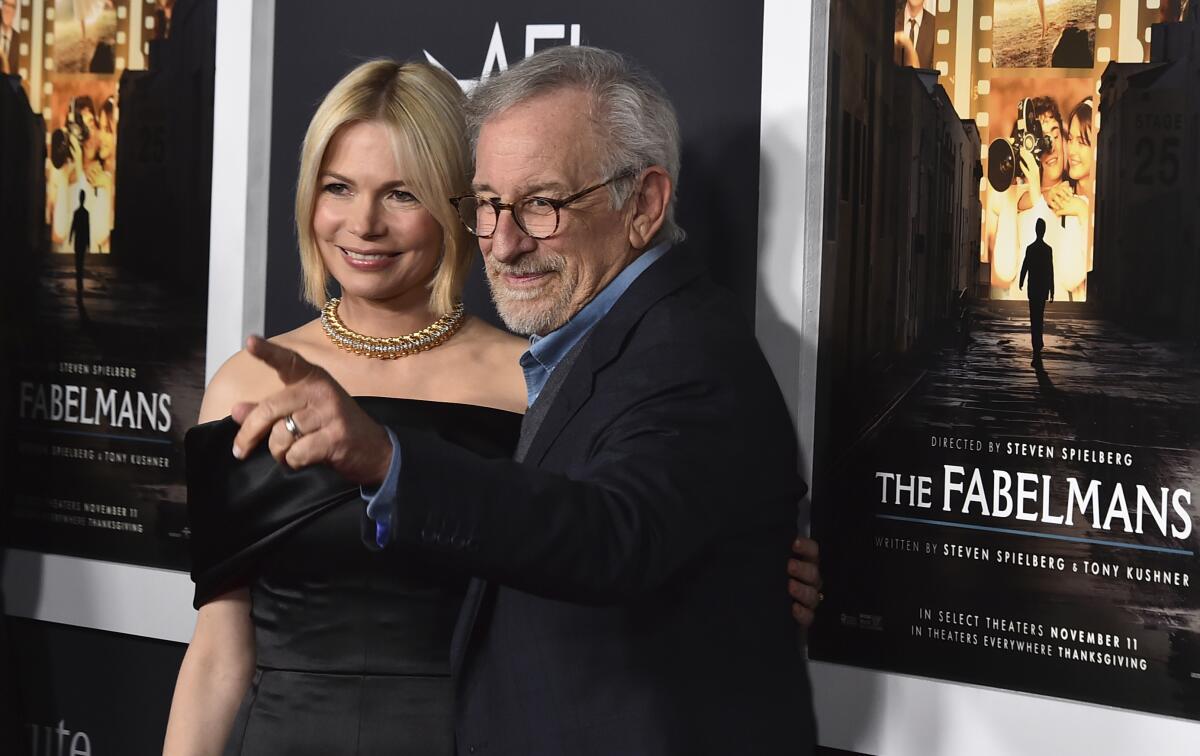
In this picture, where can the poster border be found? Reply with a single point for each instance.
(155, 602)
(861, 709)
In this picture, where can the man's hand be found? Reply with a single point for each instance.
(804, 581)
(329, 427)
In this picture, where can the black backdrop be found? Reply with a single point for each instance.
(708, 56)
(116, 689)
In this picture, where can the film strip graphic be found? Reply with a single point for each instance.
(51, 42)
(990, 53)
(965, 56)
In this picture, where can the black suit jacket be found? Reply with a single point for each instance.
(631, 597)
(13, 59)
(1039, 266)
(926, 32)
(81, 231)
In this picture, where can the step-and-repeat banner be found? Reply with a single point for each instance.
(707, 55)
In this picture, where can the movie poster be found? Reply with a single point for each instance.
(106, 368)
(1007, 482)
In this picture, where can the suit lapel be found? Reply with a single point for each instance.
(463, 628)
(676, 268)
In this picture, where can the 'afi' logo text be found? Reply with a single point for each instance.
(496, 58)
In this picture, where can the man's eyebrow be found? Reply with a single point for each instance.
(525, 190)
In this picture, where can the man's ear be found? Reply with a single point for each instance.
(649, 203)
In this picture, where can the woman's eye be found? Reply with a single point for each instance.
(399, 195)
(335, 189)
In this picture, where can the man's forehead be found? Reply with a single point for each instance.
(545, 143)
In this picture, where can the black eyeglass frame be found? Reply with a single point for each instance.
(558, 204)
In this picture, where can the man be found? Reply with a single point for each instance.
(918, 26)
(81, 235)
(630, 599)
(10, 44)
(1039, 265)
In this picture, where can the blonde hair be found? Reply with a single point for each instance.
(422, 107)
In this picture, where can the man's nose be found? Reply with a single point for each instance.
(508, 241)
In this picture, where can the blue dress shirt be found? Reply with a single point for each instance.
(544, 354)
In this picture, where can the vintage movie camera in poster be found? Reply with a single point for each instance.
(105, 337)
(1007, 457)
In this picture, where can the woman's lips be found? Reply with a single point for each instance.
(367, 260)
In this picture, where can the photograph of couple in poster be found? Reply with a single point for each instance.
(1051, 126)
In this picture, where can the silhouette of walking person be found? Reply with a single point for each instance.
(1039, 265)
(81, 234)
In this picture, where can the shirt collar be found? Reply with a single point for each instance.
(551, 348)
(908, 16)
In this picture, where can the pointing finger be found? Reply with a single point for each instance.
(265, 414)
(241, 410)
(290, 366)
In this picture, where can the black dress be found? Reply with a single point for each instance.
(352, 644)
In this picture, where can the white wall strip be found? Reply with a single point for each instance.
(237, 271)
(119, 598)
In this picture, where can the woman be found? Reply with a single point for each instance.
(1080, 140)
(345, 650)
(1081, 165)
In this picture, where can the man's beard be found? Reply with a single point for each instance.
(532, 312)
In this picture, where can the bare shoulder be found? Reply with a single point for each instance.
(241, 379)
(495, 353)
(308, 340)
(245, 379)
(488, 366)
(492, 343)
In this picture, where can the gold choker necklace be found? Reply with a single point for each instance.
(392, 347)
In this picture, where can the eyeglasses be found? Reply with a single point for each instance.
(537, 217)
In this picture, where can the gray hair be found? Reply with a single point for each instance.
(634, 116)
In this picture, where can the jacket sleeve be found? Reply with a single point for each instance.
(681, 462)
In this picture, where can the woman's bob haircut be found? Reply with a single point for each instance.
(422, 107)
